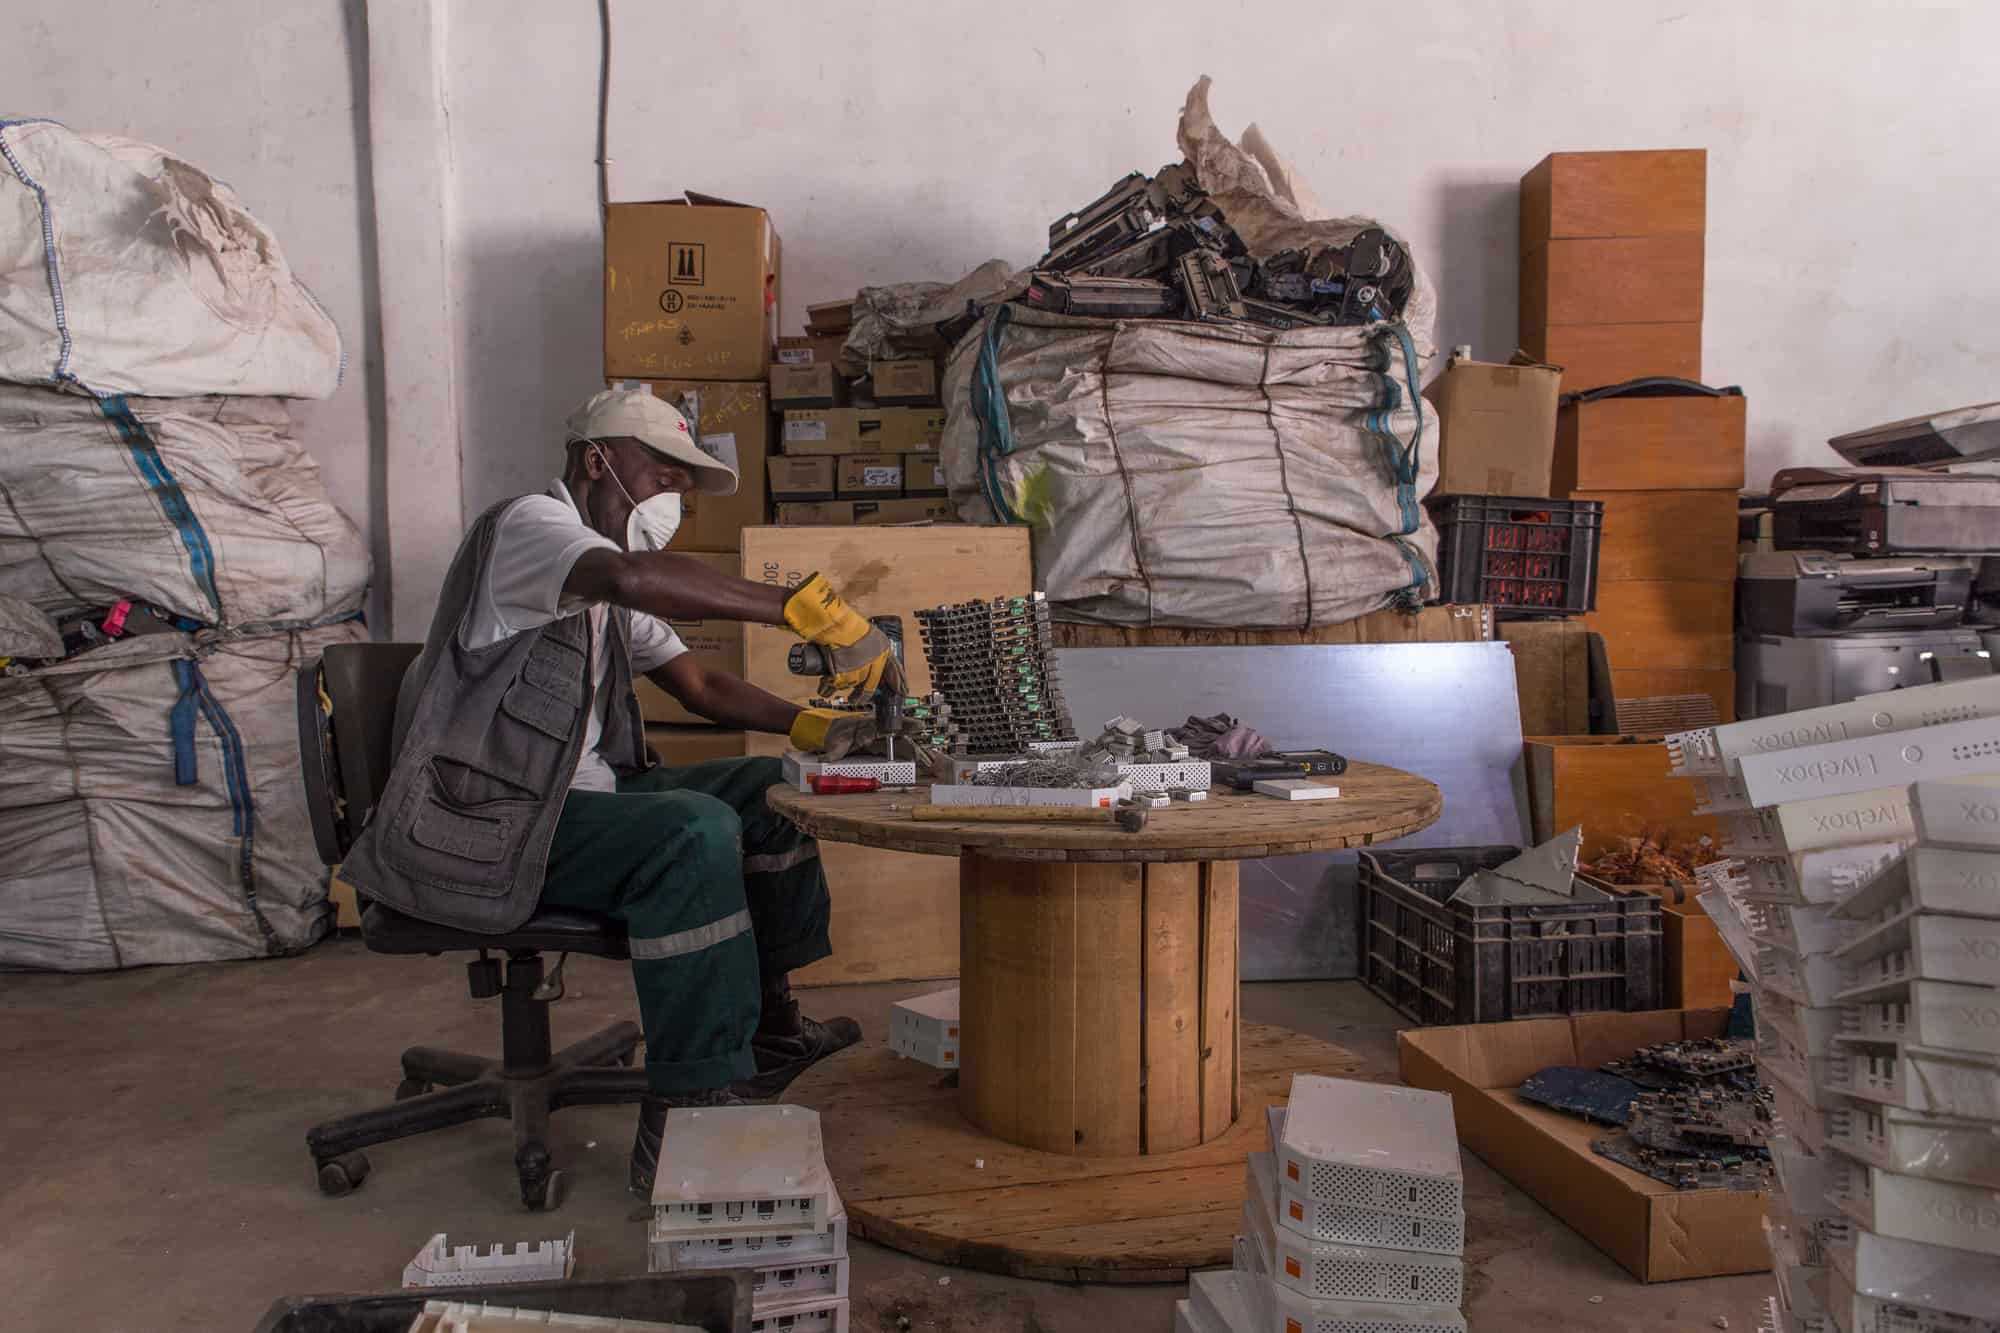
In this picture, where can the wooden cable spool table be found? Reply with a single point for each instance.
(1099, 1031)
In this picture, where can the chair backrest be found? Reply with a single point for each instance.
(347, 757)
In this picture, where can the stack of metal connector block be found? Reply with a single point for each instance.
(927, 722)
(991, 663)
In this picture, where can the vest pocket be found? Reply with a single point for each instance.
(469, 848)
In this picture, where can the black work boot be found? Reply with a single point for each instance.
(653, 1124)
(787, 1043)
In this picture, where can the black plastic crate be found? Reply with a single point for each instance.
(1519, 553)
(1442, 962)
(713, 1300)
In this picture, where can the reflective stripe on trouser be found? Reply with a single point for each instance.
(714, 890)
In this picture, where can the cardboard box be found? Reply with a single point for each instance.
(1430, 624)
(1594, 355)
(732, 421)
(1615, 280)
(895, 914)
(816, 384)
(1497, 428)
(678, 747)
(865, 513)
(912, 381)
(923, 474)
(830, 317)
(810, 349)
(1551, 675)
(1666, 535)
(1656, 1232)
(1614, 787)
(1643, 193)
(1650, 444)
(714, 643)
(856, 430)
(797, 479)
(1654, 623)
(1648, 682)
(865, 476)
(690, 290)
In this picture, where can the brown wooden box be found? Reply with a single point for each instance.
(1614, 787)
(1665, 623)
(1666, 535)
(1647, 682)
(1594, 355)
(1613, 280)
(1650, 444)
(1551, 675)
(1648, 192)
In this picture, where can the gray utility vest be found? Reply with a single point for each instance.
(487, 742)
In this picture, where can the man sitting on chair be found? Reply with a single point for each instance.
(522, 775)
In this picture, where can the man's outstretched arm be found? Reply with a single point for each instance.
(673, 587)
(722, 698)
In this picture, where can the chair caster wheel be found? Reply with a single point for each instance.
(545, 1195)
(343, 1174)
(411, 1087)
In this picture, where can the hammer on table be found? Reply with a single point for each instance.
(1129, 818)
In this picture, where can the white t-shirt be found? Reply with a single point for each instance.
(537, 540)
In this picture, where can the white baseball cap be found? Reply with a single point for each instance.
(657, 424)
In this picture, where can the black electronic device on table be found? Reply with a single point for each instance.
(1244, 774)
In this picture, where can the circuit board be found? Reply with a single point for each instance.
(1590, 1093)
(1722, 1170)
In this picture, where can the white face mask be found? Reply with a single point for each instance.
(653, 521)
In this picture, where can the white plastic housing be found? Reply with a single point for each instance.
(1370, 1145)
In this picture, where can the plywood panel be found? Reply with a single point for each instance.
(1218, 998)
(1655, 623)
(1613, 787)
(1110, 990)
(1594, 355)
(1173, 1007)
(1018, 1003)
(1650, 444)
(1622, 280)
(1666, 535)
(1644, 192)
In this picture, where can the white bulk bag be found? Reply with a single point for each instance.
(151, 808)
(125, 270)
(206, 507)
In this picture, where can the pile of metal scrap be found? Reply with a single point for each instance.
(1690, 1113)
(1544, 875)
(992, 663)
(1159, 247)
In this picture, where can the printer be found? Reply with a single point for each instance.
(1884, 511)
(1826, 592)
(1956, 436)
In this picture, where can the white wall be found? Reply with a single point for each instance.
(263, 97)
(1853, 172)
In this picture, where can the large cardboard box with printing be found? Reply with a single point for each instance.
(732, 421)
(1656, 1232)
(895, 914)
(690, 290)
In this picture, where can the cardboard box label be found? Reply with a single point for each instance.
(721, 446)
(804, 432)
(795, 356)
(873, 477)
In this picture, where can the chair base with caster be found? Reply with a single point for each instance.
(444, 1088)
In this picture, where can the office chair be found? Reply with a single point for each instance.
(347, 710)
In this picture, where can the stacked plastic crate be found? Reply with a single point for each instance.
(1354, 1222)
(746, 1187)
(1862, 900)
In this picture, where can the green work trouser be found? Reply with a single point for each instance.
(716, 893)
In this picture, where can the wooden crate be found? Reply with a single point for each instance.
(1551, 675)
(1650, 444)
(1635, 193)
(1654, 623)
(1646, 682)
(895, 914)
(1687, 535)
(1593, 355)
(1614, 787)
(1612, 280)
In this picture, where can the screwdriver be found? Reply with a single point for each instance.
(833, 784)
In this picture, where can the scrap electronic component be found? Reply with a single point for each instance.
(1102, 298)
(1209, 285)
(1718, 1170)
(1590, 1093)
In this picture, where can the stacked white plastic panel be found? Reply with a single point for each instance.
(925, 1028)
(1353, 1223)
(1863, 902)
(746, 1187)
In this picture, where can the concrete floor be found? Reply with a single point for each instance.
(153, 1172)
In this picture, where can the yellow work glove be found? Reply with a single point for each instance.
(862, 657)
(832, 733)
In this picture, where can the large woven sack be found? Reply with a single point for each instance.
(1196, 474)
(206, 507)
(151, 808)
(125, 270)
